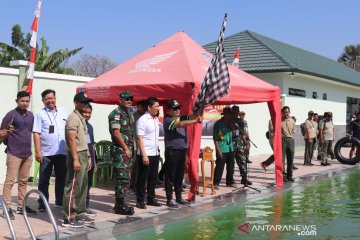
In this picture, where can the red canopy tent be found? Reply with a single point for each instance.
(175, 68)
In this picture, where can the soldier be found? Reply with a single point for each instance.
(354, 132)
(243, 127)
(239, 141)
(310, 138)
(326, 138)
(122, 149)
(288, 143)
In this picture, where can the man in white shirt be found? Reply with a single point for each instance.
(50, 150)
(148, 155)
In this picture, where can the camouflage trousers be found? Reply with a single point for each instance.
(121, 169)
(240, 156)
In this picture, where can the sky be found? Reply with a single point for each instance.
(121, 29)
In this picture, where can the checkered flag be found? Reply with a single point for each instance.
(217, 81)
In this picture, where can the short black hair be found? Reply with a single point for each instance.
(22, 94)
(151, 101)
(87, 105)
(142, 103)
(47, 91)
(284, 108)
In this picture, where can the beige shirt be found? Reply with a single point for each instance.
(76, 122)
(328, 130)
(287, 128)
(312, 126)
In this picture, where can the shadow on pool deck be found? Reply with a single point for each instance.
(108, 224)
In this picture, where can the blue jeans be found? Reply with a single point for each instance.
(46, 167)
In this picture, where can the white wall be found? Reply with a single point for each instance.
(65, 87)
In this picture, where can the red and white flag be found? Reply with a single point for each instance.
(34, 28)
(235, 63)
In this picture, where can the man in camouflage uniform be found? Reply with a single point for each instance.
(239, 141)
(122, 149)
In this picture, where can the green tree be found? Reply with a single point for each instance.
(45, 61)
(351, 56)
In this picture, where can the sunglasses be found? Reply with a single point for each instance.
(176, 108)
(129, 99)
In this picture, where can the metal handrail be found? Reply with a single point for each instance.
(7, 217)
(56, 230)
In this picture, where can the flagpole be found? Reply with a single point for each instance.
(33, 40)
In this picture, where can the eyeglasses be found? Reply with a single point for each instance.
(176, 108)
(129, 99)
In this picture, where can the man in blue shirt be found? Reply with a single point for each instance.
(50, 150)
(86, 113)
(176, 144)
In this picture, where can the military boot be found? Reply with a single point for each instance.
(122, 208)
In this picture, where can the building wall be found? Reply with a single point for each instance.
(65, 87)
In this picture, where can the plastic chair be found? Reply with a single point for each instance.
(103, 162)
(36, 172)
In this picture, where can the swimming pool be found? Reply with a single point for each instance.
(321, 209)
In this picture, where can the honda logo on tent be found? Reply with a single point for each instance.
(145, 65)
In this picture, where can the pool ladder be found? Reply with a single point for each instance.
(56, 230)
(7, 217)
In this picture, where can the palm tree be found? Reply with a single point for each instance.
(45, 62)
(351, 56)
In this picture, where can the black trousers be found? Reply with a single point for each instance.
(46, 167)
(147, 175)
(227, 158)
(174, 171)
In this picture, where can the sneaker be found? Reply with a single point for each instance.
(290, 179)
(295, 168)
(19, 210)
(154, 203)
(246, 182)
(11, 214)
(171, 204)
(185, 185)
(233, 185)
(90, 213)
(328, 164)
(323, 164)
(85, 219)
(216, 187)
(73, 224)
(58, 206)
(181, 201)
(141, 205)
(248, 161)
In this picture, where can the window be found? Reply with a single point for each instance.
(324, 96)
(297, 92)
(315, 95)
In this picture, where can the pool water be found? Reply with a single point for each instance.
(323, 209)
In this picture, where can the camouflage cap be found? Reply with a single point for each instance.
(125, 94)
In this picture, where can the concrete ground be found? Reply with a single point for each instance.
(103, 197)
